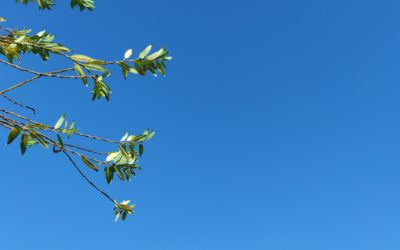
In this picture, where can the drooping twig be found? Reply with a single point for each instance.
(19, 104)
(88, 180)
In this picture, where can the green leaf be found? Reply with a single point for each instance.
(2, 19)
(126, 207)
(124, 215)
(31, 142)
(20, 39)
(72, 125)
(133, 71)
(157, 54)
(81, 73)
(125, 69)
(70, 131)
(38, 126)
(128, 54)
(141, 149)
(124, 137)
(125, 202)
(83, 58)
(24, 143)
(109, 175)
(13, 134)
(122, 149)
(144, 53)
(117, 214)
(119, 173)
(127, 174)
(60, 141)
(41, 33)
(151, 135)
(59, 122)
(39, 138)
(112, 156)
(83, 4)
(96, 67)
(89, 164)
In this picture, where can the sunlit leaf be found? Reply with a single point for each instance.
(144, 53)
(83, 58)
(59, 122)
(128, 54)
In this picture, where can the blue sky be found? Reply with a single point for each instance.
(277, 128)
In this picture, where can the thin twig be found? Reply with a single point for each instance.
(88, 180)
(19, 84)
(85, 149)
(51, 128)
(48, 74)
(19, 104)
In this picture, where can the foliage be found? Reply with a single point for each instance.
(123, 161)
(47, 4)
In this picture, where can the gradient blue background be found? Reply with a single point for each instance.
(277, 128)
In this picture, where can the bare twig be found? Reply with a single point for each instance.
(19, 84)
(88, 180)
(48, 74)
(19, 104)
(51, 128)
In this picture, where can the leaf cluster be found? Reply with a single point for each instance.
(124, 162)
(14, 43)
(17, 42)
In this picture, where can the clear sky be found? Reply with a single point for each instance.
(278, 127)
